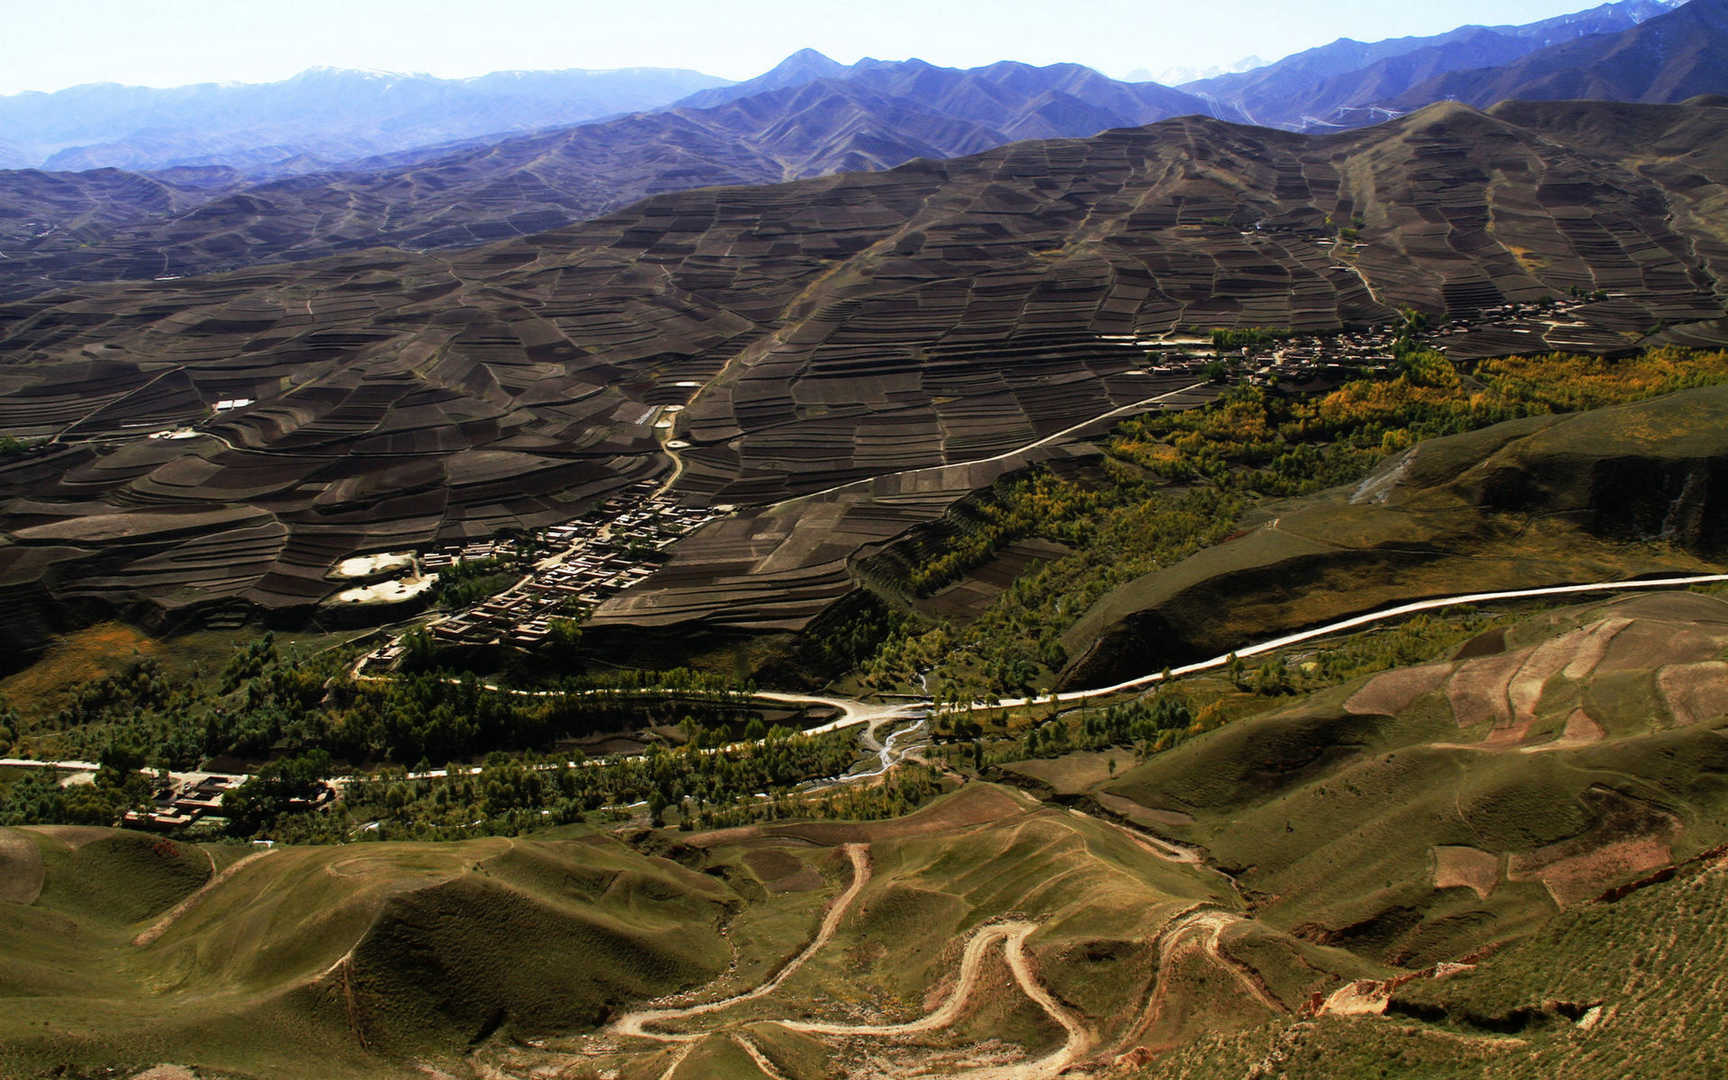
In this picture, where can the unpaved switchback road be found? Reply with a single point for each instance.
(1013, 937)
(1199, 928)
(635, 1023)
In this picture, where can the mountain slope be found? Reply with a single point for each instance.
(795, 124)
(1544, 499)
(362, 958)
(821, 333)
(1671, 58)
(1332, 85)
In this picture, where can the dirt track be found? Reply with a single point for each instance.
(635, 1023)
(160, 926)
(1208, 924)
(1012, 936)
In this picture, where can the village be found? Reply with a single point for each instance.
(575, 566)
(1263, 357)
(179, 800)
(609, 549)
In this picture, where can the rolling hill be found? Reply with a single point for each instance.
(1530, 828)
(169, 950)
(1596, 495)
(1456, 861)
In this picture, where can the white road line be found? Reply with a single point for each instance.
(1120, 410)
(1350, 624)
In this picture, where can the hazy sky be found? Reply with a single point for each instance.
(50, 44)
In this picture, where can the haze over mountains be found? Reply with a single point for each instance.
(1348, 82)
(1671, 58)
(795, 122)
(876, 571)
(808, 116)
(316, 119)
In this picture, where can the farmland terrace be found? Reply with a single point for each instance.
(908, 333)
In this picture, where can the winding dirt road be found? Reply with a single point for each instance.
(1200, 928)
(1010, 935)
(636, 1023)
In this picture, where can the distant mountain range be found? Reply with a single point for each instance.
(808, 116)
(1677, 56)
(315, 119)
(1349, 83)
(1178, 74)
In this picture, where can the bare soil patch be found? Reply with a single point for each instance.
(167, 1072)
(1364, 997)
(1594, 646)
(1574, 879)
(1391, 692)
(1580, 730)
(1469, 867)
(1695, 693)
(1649, 643)
(1477, 690)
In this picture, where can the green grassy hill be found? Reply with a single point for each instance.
(1425, 812)
(1597, 495)
(1458, 867)
(362, 958)
(1602, 992)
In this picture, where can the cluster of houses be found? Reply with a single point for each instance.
(445, 558)
(1548, 310)
(1300, 357)
(189, 797)
(613, 547)
(1305, 357)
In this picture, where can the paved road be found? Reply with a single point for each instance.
(1121, 410)
(1274, 644)
(875, 715)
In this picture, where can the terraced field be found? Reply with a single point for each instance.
(822, 333)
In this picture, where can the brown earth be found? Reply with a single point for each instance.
(821, 333)
(1392, 692)
(1467, 867)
